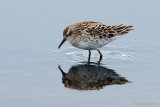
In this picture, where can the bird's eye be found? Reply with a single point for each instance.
(67, 35)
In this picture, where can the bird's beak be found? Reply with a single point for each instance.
(62, 42)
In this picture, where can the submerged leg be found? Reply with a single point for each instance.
(89, 55)
(100, 58)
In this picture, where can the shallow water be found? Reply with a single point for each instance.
(30, 32)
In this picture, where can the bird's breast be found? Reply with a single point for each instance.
(89, 43)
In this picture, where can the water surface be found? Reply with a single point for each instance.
(30, 32)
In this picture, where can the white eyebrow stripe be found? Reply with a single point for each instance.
(68, 31)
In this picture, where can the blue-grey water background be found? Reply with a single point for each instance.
(31, 30)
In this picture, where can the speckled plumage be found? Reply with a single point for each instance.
(90, 35)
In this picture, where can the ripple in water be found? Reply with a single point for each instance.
(73, 55)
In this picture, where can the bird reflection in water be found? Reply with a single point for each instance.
(90, 76)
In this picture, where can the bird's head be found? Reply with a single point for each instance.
(67, 35)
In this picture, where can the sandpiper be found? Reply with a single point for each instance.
(91, 35)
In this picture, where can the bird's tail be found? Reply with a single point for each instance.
(122, 29)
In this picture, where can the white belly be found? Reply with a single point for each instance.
(92, 44)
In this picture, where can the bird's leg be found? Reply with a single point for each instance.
(89, 55)
(100, 58)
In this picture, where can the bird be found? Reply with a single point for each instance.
(92, 35)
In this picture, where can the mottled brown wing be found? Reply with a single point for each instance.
(118, 30)
(122, 29)
(105, 31)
